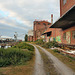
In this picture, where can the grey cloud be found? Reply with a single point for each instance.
(28, 10)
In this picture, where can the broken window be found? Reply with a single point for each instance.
(73, 34)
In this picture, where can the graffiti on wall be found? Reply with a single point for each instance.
(47, 39)
(68, 37)
(54, 39)
(58, 39)
(51, 39)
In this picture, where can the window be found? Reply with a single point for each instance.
(38, 23)
(73, 34)
(48, 34)
(48, 23)
(44, 23)
(64, 2)
(64, 36)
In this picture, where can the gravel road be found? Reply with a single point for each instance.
(61, 67)
(38, 70)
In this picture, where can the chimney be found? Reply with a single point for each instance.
(51, 18)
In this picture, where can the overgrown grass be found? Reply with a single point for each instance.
(69, 61)
(15, 55)
(46, 44)
(27, 69)
(24, 45)
(55, 50)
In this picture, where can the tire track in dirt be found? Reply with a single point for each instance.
(61, 67)
(38, 69)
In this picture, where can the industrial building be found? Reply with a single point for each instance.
(66, 23)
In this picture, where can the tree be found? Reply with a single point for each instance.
(26, 37)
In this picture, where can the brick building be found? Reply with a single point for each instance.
(66, 23)
(30, 35)
(38, 28)
(65, 6)
(30, 38)
(52, 34)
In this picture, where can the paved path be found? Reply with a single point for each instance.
(61, 67)
(39, 70)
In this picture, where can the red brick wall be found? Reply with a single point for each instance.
(66, 7)
(72, 40)
(55, 32)
(63, 9)
(60, 32)
(39, 28)
(30, 38)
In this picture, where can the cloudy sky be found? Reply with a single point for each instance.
(18, 15)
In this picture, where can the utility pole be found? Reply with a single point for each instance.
(15, 36)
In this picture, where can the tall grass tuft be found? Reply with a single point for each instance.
(24, 45)
(15, 55)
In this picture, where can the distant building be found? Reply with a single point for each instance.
(38, 28)
(66, 23)
(30, 35)
(4, 40)
(51, 34)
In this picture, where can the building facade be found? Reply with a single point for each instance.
(68, 33)
(38, 28)
(65, 6)
(53, 34)
(66, 23)
(30, 35)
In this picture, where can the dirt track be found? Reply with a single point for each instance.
(61, 68)
(39, 70)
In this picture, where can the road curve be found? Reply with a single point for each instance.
(38, 70)
(61, 67)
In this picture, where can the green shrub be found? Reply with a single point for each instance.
(55, 50)
(50, 44)
(14, 56)
(24, 45)
(39, 41)
(71, 57)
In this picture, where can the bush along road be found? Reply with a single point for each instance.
(51, 64)
(17, 60)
